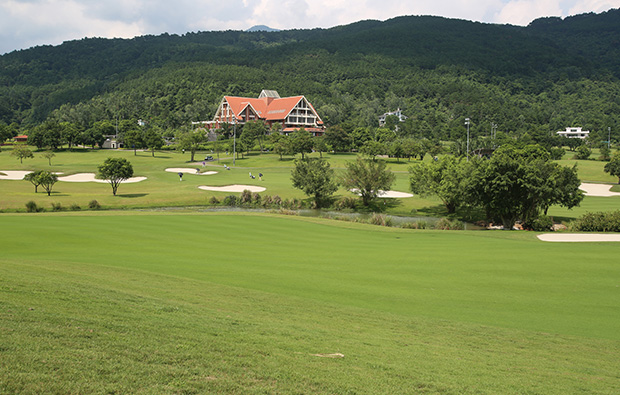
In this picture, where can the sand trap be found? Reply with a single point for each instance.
(389, 194)
(598, 190)
(90, 177)
(233, 188)
(13, 174)
(189, 170)
(579, 237)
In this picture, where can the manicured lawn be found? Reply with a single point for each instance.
(164, 189)
(199, 303)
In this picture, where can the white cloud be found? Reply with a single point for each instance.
(522, 12)
(593, 6)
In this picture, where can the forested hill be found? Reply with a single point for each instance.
(550, 74)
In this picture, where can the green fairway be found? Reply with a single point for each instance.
(239, 303)
(163, 189)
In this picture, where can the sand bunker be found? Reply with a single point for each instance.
(189, 170)
(90, 177)
(233, 188)
(598, 190)
(579, 237)
(13, 174)
(389, 194)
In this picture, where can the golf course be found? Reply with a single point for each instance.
(137, 299)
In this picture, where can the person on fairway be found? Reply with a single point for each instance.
(180, 176)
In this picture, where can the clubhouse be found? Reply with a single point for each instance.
(292, 113)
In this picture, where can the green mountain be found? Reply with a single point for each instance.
(546, 76)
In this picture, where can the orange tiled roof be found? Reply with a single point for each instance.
(266, 108)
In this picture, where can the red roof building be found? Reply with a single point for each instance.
(292, 113)
(21, 138)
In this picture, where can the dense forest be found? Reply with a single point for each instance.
(537, 79)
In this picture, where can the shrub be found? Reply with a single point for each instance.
(214, 200)
(94, 205)
(415, 225)
(267, 201)
(75, 207)
(246, 196)
(447, 224)
(557, 153)
(277, 200)
(31, 207)
(230, 200)
(56, 207)
(345, 203)
(256, 198)
(583, 152)
(540, 224)
(597, 222)
(287, 212)
(380, 219)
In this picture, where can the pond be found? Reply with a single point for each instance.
(395, 219)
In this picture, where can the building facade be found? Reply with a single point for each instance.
(292, 113)
(398, 113)
(574, 133)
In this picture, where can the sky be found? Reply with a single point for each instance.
(27, 23)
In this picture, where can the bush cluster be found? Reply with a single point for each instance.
(540, 224)
(597, 222)
(447, 224)
(32, 207)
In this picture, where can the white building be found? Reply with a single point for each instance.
(398, 113)
(574, 133)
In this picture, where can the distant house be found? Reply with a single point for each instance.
(398, 113)
(111, 142)
(574, 133)
(21, 139)
(292, 113)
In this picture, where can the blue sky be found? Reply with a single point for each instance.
(26, 23)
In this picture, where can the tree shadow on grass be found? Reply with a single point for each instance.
(132, 195)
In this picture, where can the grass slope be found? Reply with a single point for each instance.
(239, 303)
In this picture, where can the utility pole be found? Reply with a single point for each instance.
(467, 123)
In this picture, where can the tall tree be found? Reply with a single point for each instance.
(191, 140)
(21, 152)
(301, 142)
(446, 178)
(48, 155)
(521, 183)
(115, 171)
(257, 130)
(613, 166)
(152, 140)
(368, 178)
(34, 179)
(47, 180)
(315, 178)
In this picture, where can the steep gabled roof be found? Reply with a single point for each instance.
(269, 106)
(280, 108)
